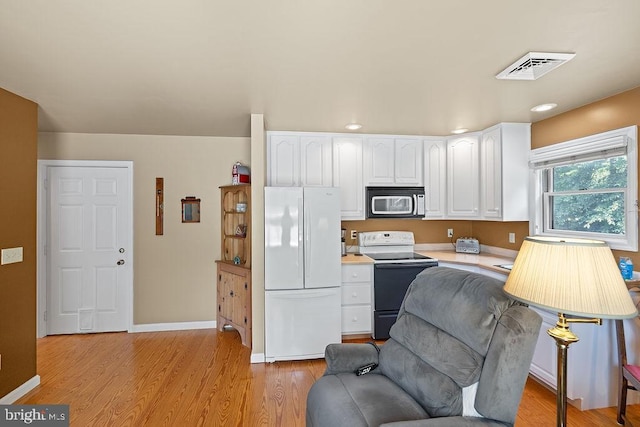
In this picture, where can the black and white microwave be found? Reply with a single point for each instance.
(395, 202)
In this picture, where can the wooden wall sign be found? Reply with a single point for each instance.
(159, 206)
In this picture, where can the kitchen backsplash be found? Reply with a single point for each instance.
(434, 231)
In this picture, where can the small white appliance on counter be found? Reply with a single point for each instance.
(302, 271)
(468, 245)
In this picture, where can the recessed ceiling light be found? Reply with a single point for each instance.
(544, 107)
(459, 131)
(353, 126)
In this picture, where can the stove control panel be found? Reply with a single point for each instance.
(386, 238)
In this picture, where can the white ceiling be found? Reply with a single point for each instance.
(201, 67)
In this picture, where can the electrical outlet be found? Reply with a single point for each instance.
(512, 237)
(450, 232)
(10, 255)
(354, 234)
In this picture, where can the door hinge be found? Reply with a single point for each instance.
(245, 320)
(246, 286)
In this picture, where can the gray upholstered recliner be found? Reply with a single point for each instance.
(458, 355)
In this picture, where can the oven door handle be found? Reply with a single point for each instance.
(405, 265)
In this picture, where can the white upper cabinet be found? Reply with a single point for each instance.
(408, 162)
(463, 177)
(504, 177)
(479, 175)
(316, 161)
(284, 160)
(435, 177)
(392, 161)
(379, 161)
(299, 160)
(347, 174)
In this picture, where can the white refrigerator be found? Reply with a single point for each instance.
(302, 271)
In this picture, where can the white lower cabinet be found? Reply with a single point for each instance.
(357, 284)
(592, 362)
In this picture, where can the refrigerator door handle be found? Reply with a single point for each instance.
(307, 245)
(300, 261)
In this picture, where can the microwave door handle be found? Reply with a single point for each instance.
(415, 205)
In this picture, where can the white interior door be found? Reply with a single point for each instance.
(87, 249)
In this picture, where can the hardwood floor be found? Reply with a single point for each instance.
(204, 378)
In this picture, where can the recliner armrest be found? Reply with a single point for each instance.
(343, 358)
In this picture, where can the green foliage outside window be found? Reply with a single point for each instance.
(579, 207)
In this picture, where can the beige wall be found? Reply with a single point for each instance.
(174, 274)
(18, 142)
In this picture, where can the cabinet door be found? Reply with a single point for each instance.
(463, 177)
(225, 294)
(435, 169)
(315, 162)
(284, 161)
(239, 297)
(515, 144)
(379, 161)
(347, 174)
(544, 362)
(491, 174)
(408, 162)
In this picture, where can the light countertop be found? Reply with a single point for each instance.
(487, 261)
(482, 260)
(356, 259)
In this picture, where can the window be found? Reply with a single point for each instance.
(588, 188)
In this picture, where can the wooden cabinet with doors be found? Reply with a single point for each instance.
(234, 299)
(234, 267)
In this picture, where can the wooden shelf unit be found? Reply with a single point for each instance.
(235, 243)
(234, 268)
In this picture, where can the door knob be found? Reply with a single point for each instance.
(120, 262)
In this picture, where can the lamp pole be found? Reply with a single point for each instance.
(564, 337)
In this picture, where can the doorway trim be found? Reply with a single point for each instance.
(42, 232)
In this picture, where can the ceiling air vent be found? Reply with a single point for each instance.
(534, 65)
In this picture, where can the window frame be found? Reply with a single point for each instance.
(622, 141)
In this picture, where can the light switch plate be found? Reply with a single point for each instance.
(10, 255)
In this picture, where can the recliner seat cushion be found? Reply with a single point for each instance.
(359, 401)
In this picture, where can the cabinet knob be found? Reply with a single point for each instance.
(355, 319)
(354, 275)
(231, 293)
(355, 294)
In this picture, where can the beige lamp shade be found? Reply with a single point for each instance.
(570, 276)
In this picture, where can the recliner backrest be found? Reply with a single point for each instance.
(449, 322)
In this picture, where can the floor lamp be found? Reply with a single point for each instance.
(569, 276)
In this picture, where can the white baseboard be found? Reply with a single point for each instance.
(175, 326)
(258, 358)
(20, 391)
